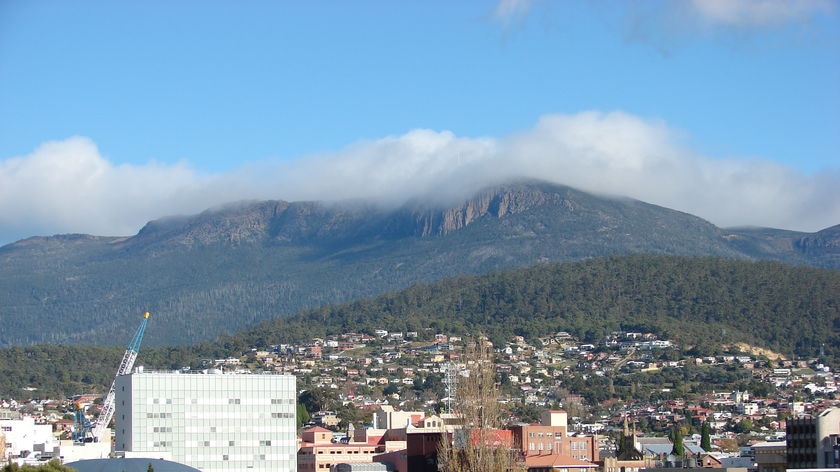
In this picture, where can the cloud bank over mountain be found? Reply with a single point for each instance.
(68, 186)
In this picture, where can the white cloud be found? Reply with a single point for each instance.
(688, 17)
(669, 25)
(68, 186)
(392, 169)
(623, 154)
(759, 12)
(509, 12)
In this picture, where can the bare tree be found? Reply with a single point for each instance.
(480, 444)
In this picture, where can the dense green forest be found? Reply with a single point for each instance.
(702, 303)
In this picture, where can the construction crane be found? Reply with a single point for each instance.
(81, 425)
(126, 365)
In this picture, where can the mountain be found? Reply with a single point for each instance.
(231, 267)
(820, 249)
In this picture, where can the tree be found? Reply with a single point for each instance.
(54, 465)
(679, 447)
(349, 414)
(706, 437)
(527, 412)
(476, 406)
(302, 415)
(743, 426)
(319, 399)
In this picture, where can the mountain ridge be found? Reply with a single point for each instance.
(232, 266)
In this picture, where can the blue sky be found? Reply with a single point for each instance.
(116, 113)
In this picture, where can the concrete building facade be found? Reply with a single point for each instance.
(211, 421)
(814, 442)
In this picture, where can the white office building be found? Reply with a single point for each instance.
(210, 421)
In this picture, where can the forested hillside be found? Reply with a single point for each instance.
(702, 303)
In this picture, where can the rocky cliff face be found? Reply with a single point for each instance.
(284, 222)
(828, 238)
(823, 246)
(497, 202)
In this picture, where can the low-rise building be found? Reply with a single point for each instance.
(318, 452)
(551, 437)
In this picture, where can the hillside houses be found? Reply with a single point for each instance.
(369, 372)
(360, 366)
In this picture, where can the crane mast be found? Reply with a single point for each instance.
(125, 367)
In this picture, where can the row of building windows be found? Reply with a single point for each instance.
(274, 401)
(230, 401)
(578, 446)
(344, 451)
(257, 457)
(541, 446)
(547, 435)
